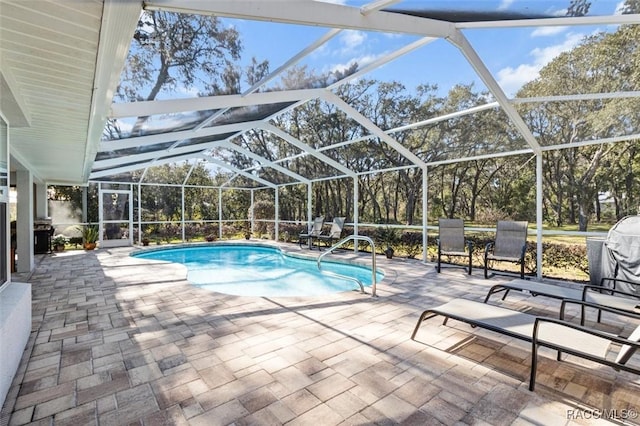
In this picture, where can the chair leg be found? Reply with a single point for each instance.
(534, 366)
(470, 264)
(486, 275)
(438, 266)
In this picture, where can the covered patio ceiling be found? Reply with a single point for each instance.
(61, 61)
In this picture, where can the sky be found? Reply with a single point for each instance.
(514, 56)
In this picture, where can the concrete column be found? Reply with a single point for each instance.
(42, 209)
(24, 223)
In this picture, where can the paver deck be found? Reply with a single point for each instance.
(118, 340)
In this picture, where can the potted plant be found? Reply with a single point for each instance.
(210, 237)
(89, 237)
(145, 241)
(388, 237)
(247, 234)
(58, 242)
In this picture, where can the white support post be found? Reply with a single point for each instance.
(309, 203)
(356, 197)
(42, 210)
(183, 232)
(24, 224)
(253, 220)
(425, 219)
(85, 203)
(139, 213)
(277, 218)
(100, 214)
(219, 212)
(539, 216)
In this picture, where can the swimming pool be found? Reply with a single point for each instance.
(252, 270)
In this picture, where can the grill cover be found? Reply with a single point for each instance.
(621, 259)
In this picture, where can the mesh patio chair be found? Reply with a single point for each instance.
(334, 233)
(451, 241)
(314, 232)
(510, 245)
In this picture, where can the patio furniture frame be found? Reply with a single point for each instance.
(451, 241)
(334, 233)
(510, 244)
(599, 295)
(554, 333)
(314, 232)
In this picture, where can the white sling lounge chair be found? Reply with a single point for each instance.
(451, 241)
(557, 334)
(510, 245)
(599, 295)
(334, 233)
(316, 229)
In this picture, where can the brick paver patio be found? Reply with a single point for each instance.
(118, 340)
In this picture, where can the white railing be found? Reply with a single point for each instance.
(373, 261)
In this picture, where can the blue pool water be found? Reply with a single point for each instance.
(246, 270)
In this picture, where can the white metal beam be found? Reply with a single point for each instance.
(238, 171)
(131, 167)
(461, 42)
(167, 106)
(383, 60)
(306, 148)
(480, 157)
(555, 22)
(314, 13)
(472, 110)
(264, 161)
(577, 97)
(292, 61)
(615, 139)
(114, 162)
(375, 130)
(135, 142)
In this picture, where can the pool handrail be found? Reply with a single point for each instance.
(373, 260)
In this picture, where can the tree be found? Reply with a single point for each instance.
(588, 67)
(173, 52)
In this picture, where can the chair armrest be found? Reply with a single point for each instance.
(587, 330)
(523, 251)
(488, 248)
(616, 280)
(608, 290)
(584, 303)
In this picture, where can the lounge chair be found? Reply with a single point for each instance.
(334, 233)
(599, 342)
(510, 245)
(316, 229)
(451, 241)
(613, 298)
(557, 334)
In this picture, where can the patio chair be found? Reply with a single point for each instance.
(334, 233)
(555, 333)
(451, 241)
(316, 229)
(510, 245)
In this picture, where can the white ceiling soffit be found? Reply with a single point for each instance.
(62, 61)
